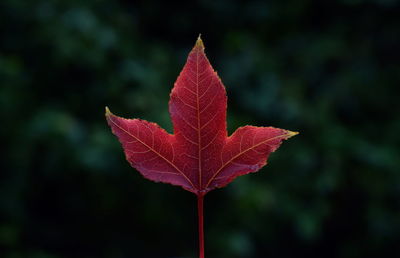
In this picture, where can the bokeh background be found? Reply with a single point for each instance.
(328, 69)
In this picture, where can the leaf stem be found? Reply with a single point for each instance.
(200, 198)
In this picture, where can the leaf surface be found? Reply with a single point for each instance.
(199, 156)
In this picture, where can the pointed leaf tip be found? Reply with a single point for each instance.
(199, 43)
(108, 112)
(291, 134)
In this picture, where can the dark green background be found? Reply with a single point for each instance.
(328, 69)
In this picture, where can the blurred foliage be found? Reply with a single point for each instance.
(329, 69)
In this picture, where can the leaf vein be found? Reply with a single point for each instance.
(155, 152)
(241, 153)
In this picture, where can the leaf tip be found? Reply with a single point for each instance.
(108, 112)
(291, 134)
(199, 43)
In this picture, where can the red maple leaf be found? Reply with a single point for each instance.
(199, 156)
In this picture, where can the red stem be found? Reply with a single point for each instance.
(200, 199)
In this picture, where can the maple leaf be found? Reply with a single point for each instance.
(199, 156)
